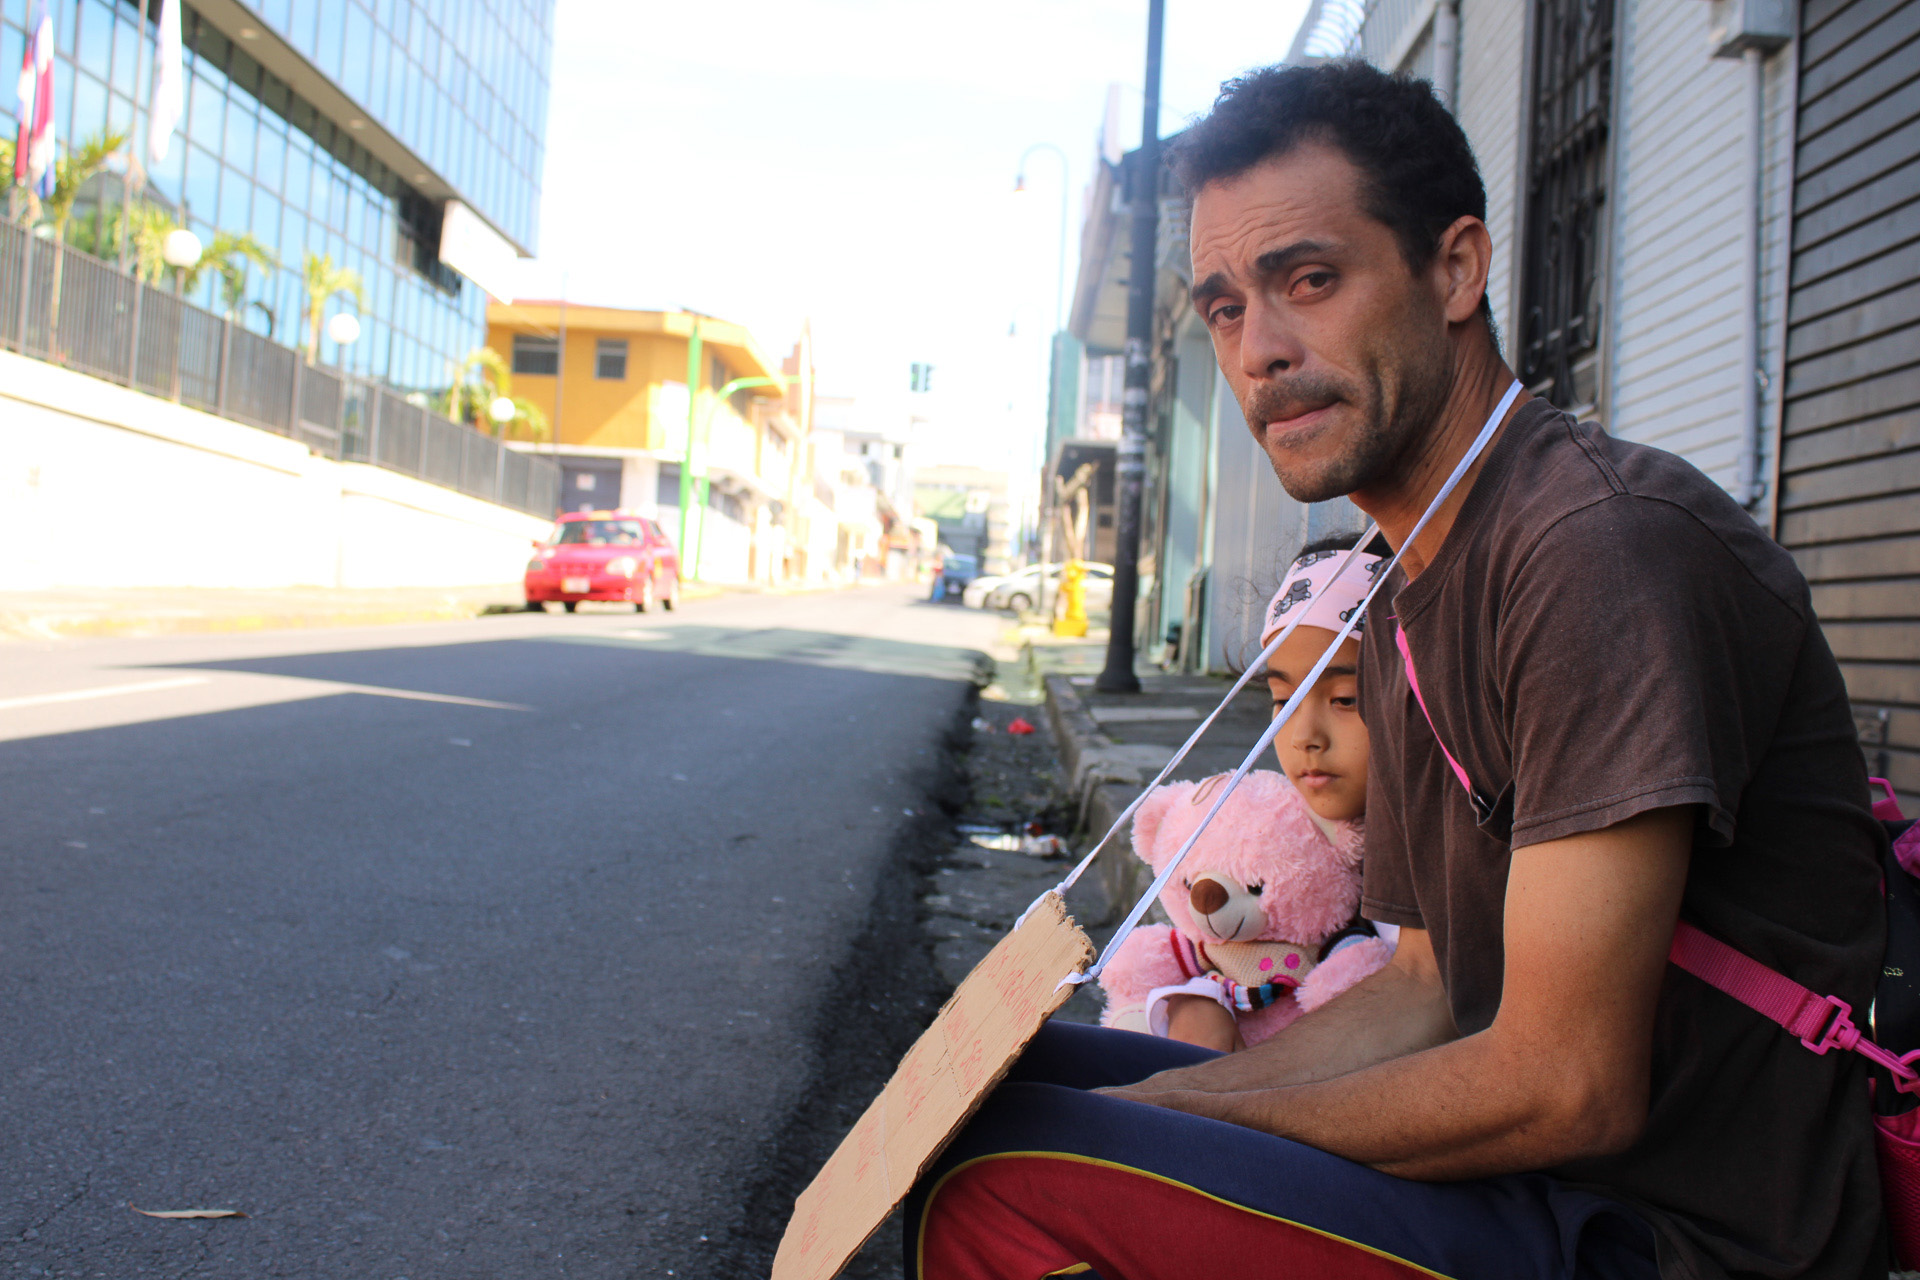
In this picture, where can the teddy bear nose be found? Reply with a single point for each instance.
(1207, 896)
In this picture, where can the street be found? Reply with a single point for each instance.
(491, 948)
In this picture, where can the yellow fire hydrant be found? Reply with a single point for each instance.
(1073, 593)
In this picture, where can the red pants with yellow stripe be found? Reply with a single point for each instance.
(1051, 1179)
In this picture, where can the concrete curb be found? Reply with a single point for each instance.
(1103, 778)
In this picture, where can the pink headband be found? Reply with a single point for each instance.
(1309, 584)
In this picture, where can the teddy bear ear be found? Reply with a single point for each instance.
(1148, 818)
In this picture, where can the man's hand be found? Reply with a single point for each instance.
(1399, 1010)
(1198, 1020)
(1563, 1071)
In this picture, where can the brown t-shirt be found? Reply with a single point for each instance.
(1605, 632)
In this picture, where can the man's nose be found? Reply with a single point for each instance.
(1267, 348)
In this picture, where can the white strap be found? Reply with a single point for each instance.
(1258, 667)
(1286, 712)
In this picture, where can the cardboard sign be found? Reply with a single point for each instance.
(942, 1080)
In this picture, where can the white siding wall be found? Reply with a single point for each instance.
(1257, 530)
(1676, 362)
(1493, 60)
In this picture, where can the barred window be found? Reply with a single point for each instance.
(1561, 290)
(536, 355)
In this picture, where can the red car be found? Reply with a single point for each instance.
(604, 555)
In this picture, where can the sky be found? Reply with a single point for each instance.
(850, 164)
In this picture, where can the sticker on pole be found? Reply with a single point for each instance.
(945, 1076)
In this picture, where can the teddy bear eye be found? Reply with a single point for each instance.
(1254, 888)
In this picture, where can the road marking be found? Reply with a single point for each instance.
(413, 696)
(107, 691)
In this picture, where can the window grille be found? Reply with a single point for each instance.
(1561, 288)
(610, 359)
(536, 355)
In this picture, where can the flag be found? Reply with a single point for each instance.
(33, 153)
(164, 112)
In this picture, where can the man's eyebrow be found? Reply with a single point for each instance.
(1269, 263)
(1212, 287)
(1275, 260)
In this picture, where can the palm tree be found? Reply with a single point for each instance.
(150, 227)
(14, 189)
(472, 403)
(229, 255)
(71, 172)
(324, 281)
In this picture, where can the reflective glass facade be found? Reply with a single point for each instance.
(252, 156)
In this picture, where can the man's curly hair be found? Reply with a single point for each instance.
(1417, 169)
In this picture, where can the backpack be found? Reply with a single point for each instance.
(1891, 1040)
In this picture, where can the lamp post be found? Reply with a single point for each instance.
(180, 250)
(693, 486)
(1020, 185)
(502, 411)
(344, 329)
(1131, 457)
(1056, 355)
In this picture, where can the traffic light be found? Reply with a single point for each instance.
(923, 377)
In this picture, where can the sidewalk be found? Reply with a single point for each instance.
(78, 612)
(1113, 744)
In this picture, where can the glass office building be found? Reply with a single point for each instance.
(338, 127)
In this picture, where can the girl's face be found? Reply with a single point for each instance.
(1324, 747)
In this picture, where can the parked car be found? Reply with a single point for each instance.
(975, 596)
(955, 572)
(604, 555)
(1022, 591)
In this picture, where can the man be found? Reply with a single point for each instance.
(1628, 675)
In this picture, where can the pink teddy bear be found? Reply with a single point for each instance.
(1265, 909)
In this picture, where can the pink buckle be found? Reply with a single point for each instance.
(1840, 1031)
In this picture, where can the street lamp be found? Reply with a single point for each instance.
(1054, 346)
(181, 249)
(1020, 185)
(502, 410)
(344, 329)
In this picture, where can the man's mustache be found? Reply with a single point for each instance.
(1273, 401)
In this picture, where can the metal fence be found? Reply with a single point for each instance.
(69, 308)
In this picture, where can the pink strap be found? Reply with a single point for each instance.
(1413, 682)
(1820, 1022)
(1888, 809)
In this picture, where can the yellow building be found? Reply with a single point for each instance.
(615, 384)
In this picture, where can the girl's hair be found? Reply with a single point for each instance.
(1341, 542)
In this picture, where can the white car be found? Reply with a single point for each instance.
(975, 595)
(1021, 591)
(1025, 591)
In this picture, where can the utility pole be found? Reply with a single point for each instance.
(1131, 457)
(688, 517)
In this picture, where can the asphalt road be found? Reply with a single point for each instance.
(483, 949)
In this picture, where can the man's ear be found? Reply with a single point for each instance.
(1463, 258)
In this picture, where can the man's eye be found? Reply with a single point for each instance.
(1313, 280)
(1224, 315)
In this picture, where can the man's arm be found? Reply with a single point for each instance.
(1402, 1009)
(1563, 1071)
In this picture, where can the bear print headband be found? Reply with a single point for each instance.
(1328, 604)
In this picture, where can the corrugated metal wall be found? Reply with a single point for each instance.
(1674, 376)
(1493, 58)
(1850, 462)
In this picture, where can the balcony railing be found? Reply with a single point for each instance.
(111, 326)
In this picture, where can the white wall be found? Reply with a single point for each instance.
(1493, 62)
(1677, 364)
(102, 486)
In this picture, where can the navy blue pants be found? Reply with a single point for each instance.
(1051, 1179)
